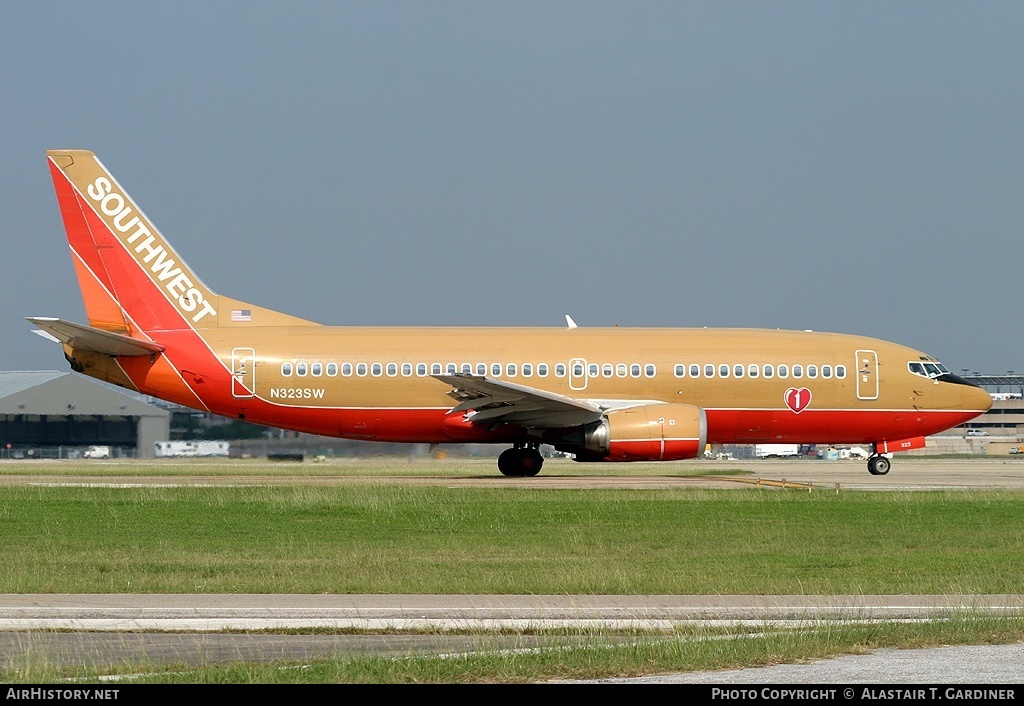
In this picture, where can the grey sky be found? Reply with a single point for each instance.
(855, 167)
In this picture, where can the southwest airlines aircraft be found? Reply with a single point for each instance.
(602, 394)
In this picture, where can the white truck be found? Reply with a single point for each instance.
(96, 452)
(191, 449)
(776, 450)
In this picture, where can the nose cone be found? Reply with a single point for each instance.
(976, 398)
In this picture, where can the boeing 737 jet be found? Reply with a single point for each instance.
(600, 394)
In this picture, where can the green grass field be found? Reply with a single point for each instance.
(382, 538)
(376, 537)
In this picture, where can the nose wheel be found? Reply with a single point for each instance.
(879, 465)
(520, 461)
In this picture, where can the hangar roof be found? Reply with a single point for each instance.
(55, 392)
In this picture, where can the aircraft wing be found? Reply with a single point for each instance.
(495, 402)
(88, 338)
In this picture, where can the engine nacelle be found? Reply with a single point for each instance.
(653, 432)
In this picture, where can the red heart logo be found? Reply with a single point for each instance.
(797, 399)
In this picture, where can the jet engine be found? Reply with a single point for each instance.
(652, 432)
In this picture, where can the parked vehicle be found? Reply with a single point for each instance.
(188, 449)
(96, 452)
(776, 450)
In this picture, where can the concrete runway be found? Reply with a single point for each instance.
(190, 629)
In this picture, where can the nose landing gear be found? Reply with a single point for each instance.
(878, 465)
(520, 461)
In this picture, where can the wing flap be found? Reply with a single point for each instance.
(501, 402)
(87, 338)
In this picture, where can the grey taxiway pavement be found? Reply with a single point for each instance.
(158, 629)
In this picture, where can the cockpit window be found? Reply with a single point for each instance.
(927, 369)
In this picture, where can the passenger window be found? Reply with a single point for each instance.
(467, 368)
(406, 369)
(421, 369)
(752, 371)
(496, 370)
(481, 368)
(840, 371)
(798, 371)
(542, 370)
(694, 370)
(577, 370)
(452, 368)
(783, 371)
(737, 371)
(376, 369)
(709, 371)
(812, 371)
(286, 369)
(346, 369)
(435, 369)
(592, 370)
(620, 370)
(723, 370)
(332, 369)
(527, 370)
(826, 371)
(361, 369)
(650, 371)
(768, 370)
(316, 369)
(634, 370)
(301, 369)
(607, 370)
(510, 370)
(392, 370)
(559, 370)
(680, 370)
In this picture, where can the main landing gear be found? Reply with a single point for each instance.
(520, 461)
(878, 465)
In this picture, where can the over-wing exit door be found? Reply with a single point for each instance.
(577, 374)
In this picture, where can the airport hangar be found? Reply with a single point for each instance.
(50, 414)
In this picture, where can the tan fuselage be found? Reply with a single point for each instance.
(377, 382)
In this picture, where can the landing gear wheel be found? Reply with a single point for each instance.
(519, 462)
(530, 462)
(878, 465)
(508, 463)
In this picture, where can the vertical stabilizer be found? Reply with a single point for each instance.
(132, 280)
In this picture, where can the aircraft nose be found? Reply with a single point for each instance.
(977, 398)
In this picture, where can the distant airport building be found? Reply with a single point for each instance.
(1006, 418)
(62, 415)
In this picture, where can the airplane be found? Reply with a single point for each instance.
(598, 394)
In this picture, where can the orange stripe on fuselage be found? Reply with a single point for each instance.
(160, 378)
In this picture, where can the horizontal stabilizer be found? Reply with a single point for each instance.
(87, 338)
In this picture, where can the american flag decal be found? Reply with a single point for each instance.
(241, 314)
